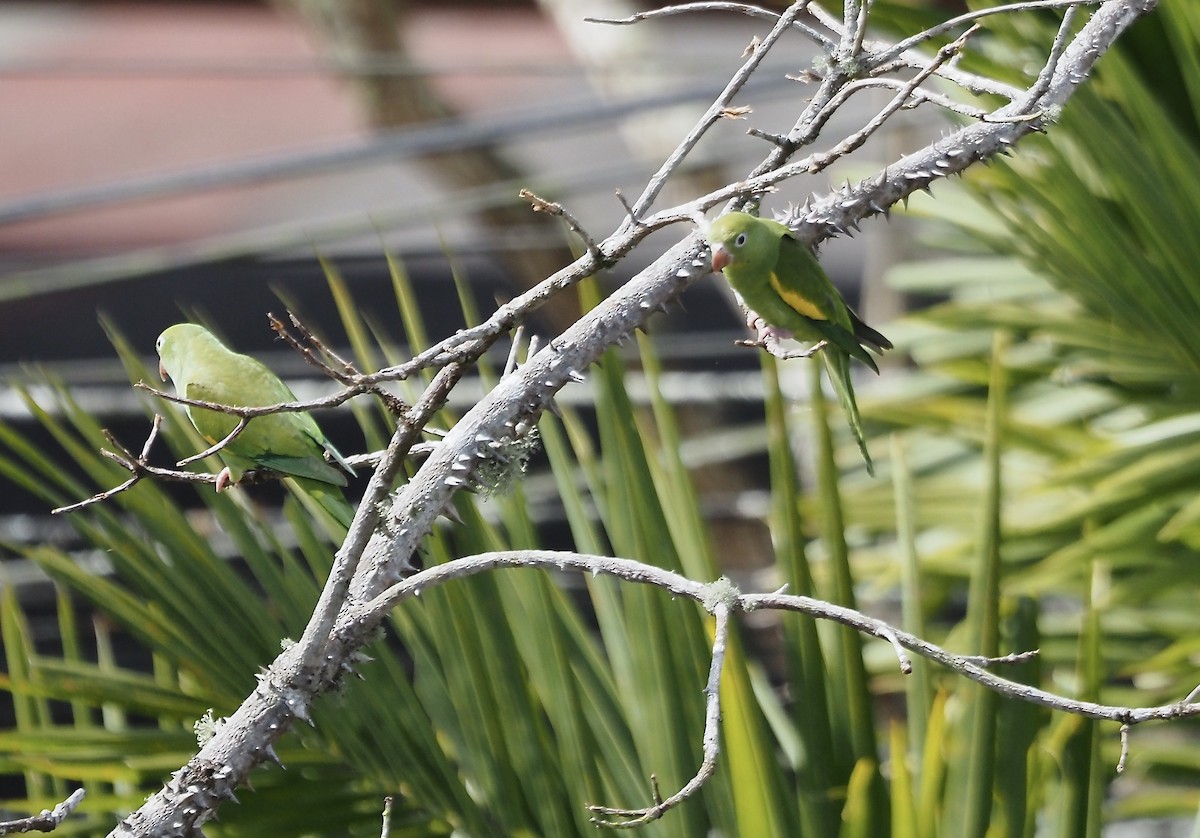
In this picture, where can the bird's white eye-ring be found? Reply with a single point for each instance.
(740, 240)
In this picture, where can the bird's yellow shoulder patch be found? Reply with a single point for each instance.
(796, 300)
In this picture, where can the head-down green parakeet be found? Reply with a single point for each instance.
(202, 368)
(783, 283)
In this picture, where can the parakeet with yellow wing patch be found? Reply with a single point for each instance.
(784, 284)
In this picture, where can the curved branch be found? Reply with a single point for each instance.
(712, 742)
(631, 571)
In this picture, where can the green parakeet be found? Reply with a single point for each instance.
(783, 283)
(202, 368)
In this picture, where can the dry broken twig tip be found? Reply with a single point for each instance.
(1124, 758)
(901, 656)
(540, 204)
(47, 820)
(386, 829)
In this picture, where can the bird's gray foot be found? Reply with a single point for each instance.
(765, 331)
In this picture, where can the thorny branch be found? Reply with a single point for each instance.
(371, 571)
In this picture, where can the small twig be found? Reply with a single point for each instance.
(656, 183)
(773, 347)
(1192, 696)
(985, 662)
(332, 400)
(712, 743)
(155, 426)
(124, 453)
(535, 344)
(48, 820)
(370, 612)
(387, 817)
(896, 50)
(136, 465)
(140, 468)
(309, 352)
(98, 497)
(349, 373)
(1012, 119)
(630, 219)
(317, 343)
(859, 23)
(510, 363)
(551, 208)
(1124, 758)
(739, 8)
(1061, 38)
(856, 140)
(970, 82)
(901, 656)
(217, 446)
(774, 139)
(920, 97)
(372, 458)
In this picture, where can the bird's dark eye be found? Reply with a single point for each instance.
(740, 240)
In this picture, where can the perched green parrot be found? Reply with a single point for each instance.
(202, 368)
(783, 283)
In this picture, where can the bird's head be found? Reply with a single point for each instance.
(174, 344)
(737, 238)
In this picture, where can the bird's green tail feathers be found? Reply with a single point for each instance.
(837, 366)
(320, 497)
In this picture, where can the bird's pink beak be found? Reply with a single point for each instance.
(720, 258)
(162, 371)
